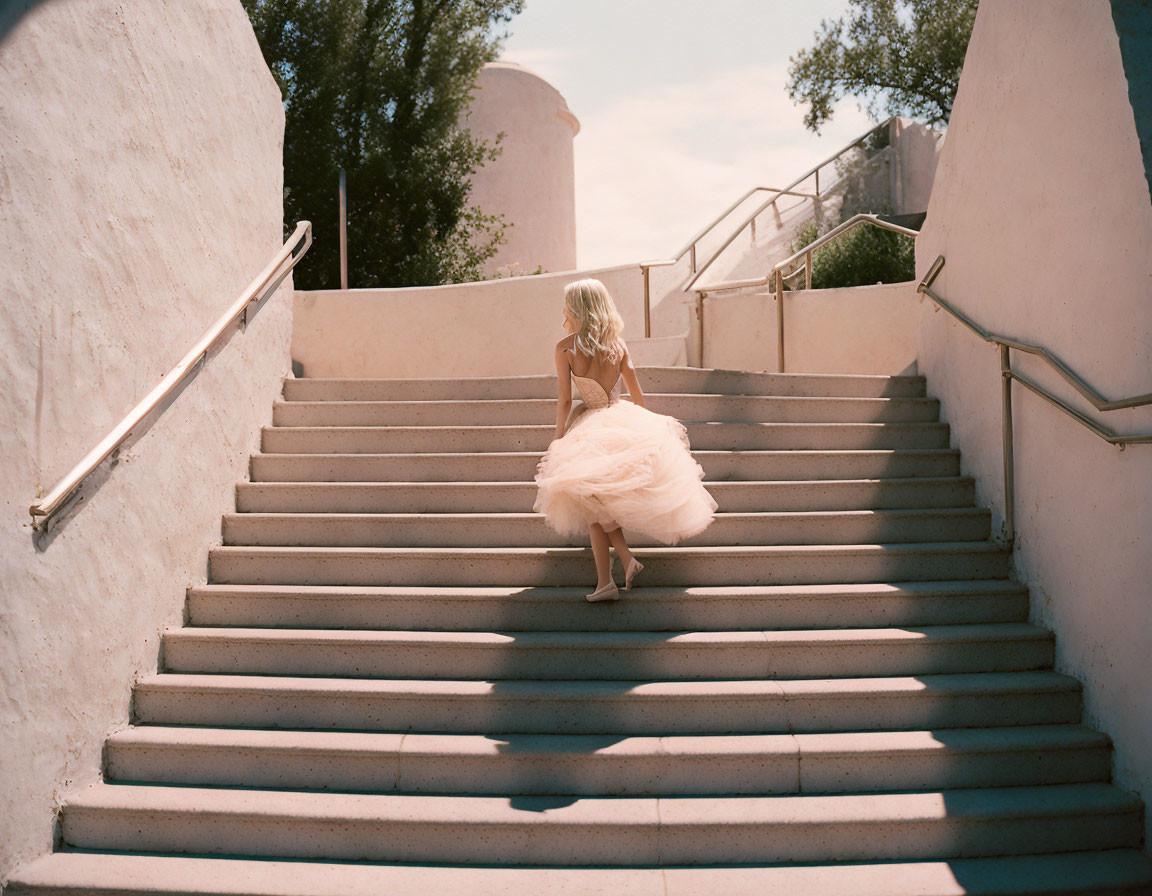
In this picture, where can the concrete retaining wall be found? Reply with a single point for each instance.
(1041, 209)
(864, 329)
(501, 327)
(140, 191)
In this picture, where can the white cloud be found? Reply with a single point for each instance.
(656, 165)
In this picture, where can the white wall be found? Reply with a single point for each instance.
(140, 191)
(917, 150)
(501, 327)
(863, 329)
(532, 182)
(1041, 208)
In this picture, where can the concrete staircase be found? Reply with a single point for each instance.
(392, 683)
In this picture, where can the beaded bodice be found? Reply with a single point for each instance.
(593, 393)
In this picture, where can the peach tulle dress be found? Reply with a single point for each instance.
(619, 464)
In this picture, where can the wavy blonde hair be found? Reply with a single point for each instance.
(600, 322)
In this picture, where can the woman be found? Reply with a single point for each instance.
(613, 463)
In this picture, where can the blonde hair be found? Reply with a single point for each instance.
(600, 322)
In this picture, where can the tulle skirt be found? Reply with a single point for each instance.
(623, 465)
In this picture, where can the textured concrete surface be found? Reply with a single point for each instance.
(140, 192)
(1042, 211)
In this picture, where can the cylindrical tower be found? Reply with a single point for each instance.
(532, 182)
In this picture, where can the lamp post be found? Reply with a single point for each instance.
(343, 231)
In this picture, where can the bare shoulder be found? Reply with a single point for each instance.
(563, 358)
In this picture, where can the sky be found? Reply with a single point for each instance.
(682, 108)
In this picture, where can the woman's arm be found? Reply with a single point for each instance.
(630, 380)
(563, 391)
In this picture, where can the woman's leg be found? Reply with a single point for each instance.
(600, 552)
(616, 539)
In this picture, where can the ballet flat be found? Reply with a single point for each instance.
(608, 592)
(634, 567)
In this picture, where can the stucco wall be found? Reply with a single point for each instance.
(917, 151)
(140, 191)
(494, 327)
(1042, 210)
(532, 182)
(865, 329)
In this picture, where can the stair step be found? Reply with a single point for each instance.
(589, 764)
(710, 436)
(521, 466)
(692, 566)
(629, 656)
(518, 497)
(731, 608)
(652, 379)
(1121, 872)
(603, 830)
(684, 407)
(530, 529)
(610, 707)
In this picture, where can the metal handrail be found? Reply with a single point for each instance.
(1097, 400)
(1008, 375)
(777, 274)
(807, 251)
(779, 191)
(690, 246)
(839, 229)
(814, 171)
(264, 285)
(739, 230)
(645, 269)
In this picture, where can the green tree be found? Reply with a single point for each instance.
(861, 257)
(897, 57)
(380, 88)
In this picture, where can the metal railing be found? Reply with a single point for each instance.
(777, 276)
(263, 286)
(788, 190)
(690, 248)
(1006, 344)
(1008, 375)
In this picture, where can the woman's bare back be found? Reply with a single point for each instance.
(604, 372)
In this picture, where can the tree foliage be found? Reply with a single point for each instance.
(897, 57)
(861, 257)
(379, 88)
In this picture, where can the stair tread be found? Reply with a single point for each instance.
(646, 608)
(172, 875)
(722, 396)
(968, 633)
(612, 811)
(765, 515)
(721, 550)
(726, 452)
(639, 593)
(520, 483)
(847, 743)
(547, 427)
(710, 689)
